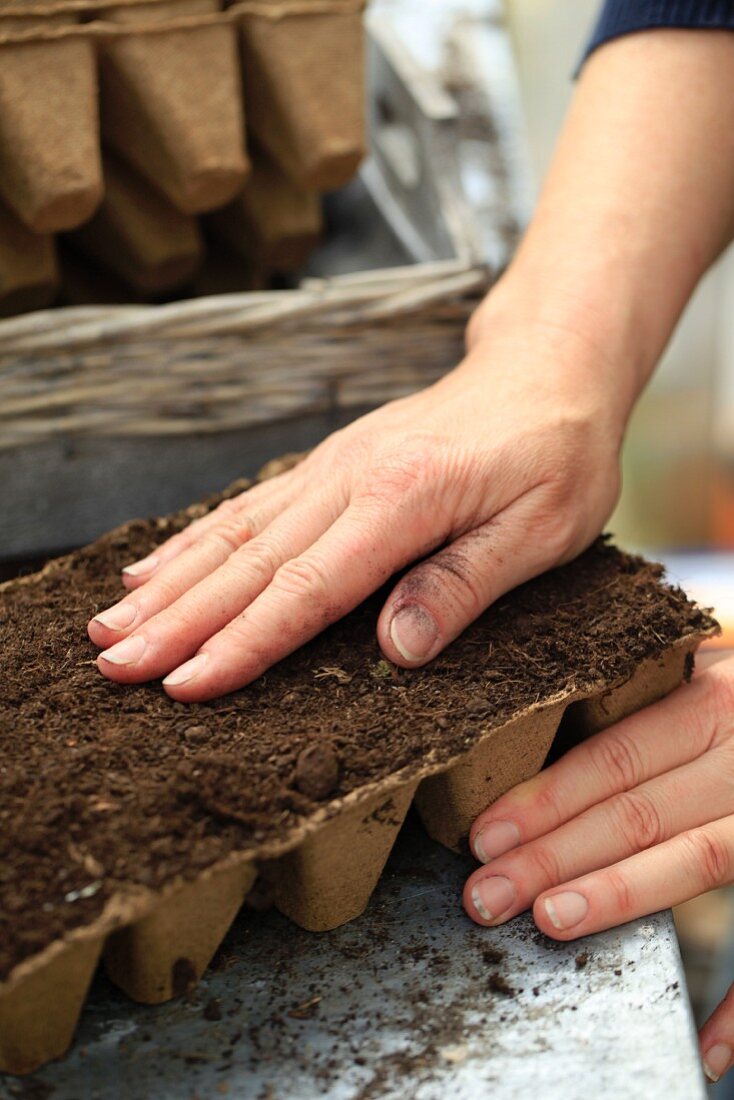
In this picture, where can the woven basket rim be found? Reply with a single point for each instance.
(340, 299)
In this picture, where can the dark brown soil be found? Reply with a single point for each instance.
(499, 984)
(102, 783)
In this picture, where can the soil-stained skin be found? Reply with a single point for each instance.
(102, 783)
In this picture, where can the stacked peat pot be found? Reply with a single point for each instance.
(140, 831)
(121, 124)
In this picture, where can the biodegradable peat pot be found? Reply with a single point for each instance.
(41, 1000)
(164, 954)
(171, 103)
(50, 172)
(29, 276)
(303, 72)
(329, 878)
(140, 236)
(449, 802)
(274, 224)
(144, 824)
(31, 1031)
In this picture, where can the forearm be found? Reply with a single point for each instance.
(638, 203)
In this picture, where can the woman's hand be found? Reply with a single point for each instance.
(507, 466)
(636, 819)
(504, 468)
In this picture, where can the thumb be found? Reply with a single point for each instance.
(437, 599)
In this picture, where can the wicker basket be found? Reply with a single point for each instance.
(198, 392)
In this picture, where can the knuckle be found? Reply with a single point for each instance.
(226, 509)
(175, 621)
(231, 534)
(710, 856)
(304, 575)
(181, 540)
(621, 892)
(547, 864)
(404, 470)
(233, 638)
(548, 805)
(259, 557)
(639, 819)
(162, 590)
(616, 757)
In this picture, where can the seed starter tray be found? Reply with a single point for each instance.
(149, 871)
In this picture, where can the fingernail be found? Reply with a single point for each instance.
(493, 896)
(126, 652)
(140, 568)
(187, 671)
(566, 909)
(716, 1061)
(413, 633)
(117, 618)
(495, 839)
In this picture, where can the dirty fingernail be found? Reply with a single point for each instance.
(413, 633)
(566, 909)
(494, 840)
(716, 1061)
(187, 671)
(126, 652)
(493, 896)
(140, 568)
(117, 618)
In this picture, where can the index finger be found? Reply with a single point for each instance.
(655, 740)
(675, 871)
(137, 573)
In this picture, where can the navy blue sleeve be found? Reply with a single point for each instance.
(620, 17)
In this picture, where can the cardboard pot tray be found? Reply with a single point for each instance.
(132, 827)
(130, 118)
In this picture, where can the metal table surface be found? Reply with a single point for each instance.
(411, 1000)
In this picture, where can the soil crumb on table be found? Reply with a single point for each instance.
(102, 783)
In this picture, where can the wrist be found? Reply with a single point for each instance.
(564, 338)
(586, 326)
